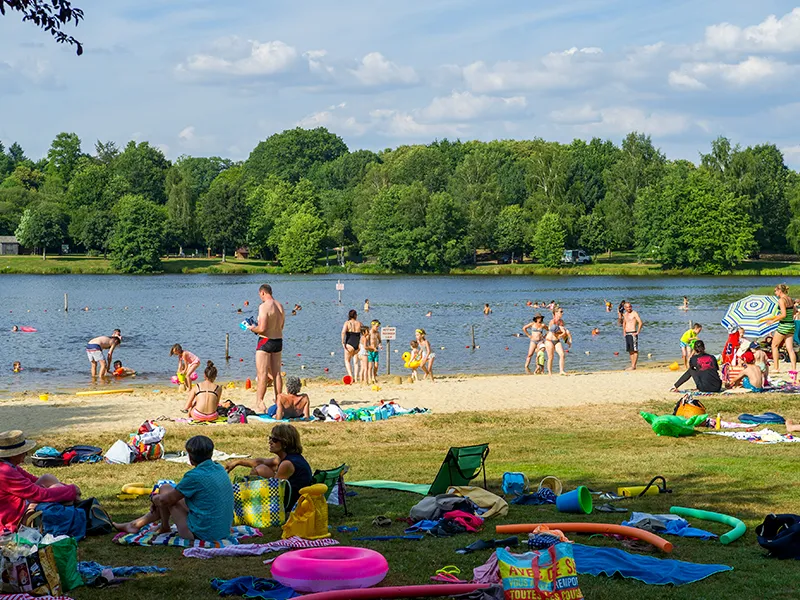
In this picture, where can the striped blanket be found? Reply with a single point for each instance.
(149, 536)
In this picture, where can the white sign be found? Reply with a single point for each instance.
(388, 333)
(339, 287)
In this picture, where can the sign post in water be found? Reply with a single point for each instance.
(387, 335)
(339, 288)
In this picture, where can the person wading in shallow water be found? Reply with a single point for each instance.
(269, 328)
(631, 327)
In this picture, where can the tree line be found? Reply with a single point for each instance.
(415, 208)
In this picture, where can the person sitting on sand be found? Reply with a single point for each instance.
(288, 463)
(120, 371)
(751, 378)
(200, 505)
(204, 397)
(20, 491)
(703, 369)
(291, 404)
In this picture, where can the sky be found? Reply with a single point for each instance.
(209, 78)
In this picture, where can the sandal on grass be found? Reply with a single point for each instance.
(381, 521)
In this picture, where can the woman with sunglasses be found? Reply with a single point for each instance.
(288, 462)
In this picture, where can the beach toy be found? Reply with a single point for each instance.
(674, 366)
(331, 568)
(692, 513)
(44, 397)
(578, 500)
(26, 329)
(174, 379)
(137, 489)
(376, 388)
(309, 519)
(248, 384)
(553, 483)
(405, 356)
(347, 380)
(672, 425)
(634, 532)
(248, 321)
(652, 488)
(103, 392)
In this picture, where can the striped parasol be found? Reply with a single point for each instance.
(748, 313)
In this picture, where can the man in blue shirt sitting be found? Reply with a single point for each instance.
(200, 506)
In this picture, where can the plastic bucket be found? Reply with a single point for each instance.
(578, 500)
(554, 483)
(347, 380)
(44, 397)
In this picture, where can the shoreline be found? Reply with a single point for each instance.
(449, 394)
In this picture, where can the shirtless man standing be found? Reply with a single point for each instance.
(269, 328)
(94, 351)
(631, 327)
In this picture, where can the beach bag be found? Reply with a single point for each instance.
(35, 574)
(98, 521)
(81, 454)
(47, 458)
(260, 502)
(540, 575)
(780, 534)
(119, 454)
(237, 415)
(65, 554)
(515, 484)
(309, 519)
(688, 406)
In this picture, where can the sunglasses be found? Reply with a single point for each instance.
(275, 440)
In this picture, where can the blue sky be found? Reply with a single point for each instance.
(214, 78)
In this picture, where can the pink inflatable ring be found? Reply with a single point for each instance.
(332, 568)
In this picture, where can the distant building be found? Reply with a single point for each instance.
(242, 252)
(9, 244)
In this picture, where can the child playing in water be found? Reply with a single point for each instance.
(416, 354)
(187, 364)
(120, 371)
(16, 367)
(687, 341)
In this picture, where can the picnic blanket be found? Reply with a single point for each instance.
(217, 456)
(149, 536)
(291, 543)
(765, 436)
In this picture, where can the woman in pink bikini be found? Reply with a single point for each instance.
(188, 363)
(204, 397)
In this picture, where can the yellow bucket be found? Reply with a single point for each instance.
(44, 397)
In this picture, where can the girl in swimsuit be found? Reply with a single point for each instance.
(535, 331)
(205, 396)
(351, 341)
(427, 356)
(188, 363)
(784, 336)
(362, 355)
(552, 342)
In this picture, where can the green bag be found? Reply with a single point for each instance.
(65, 553)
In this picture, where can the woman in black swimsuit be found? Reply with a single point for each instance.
(351, 339)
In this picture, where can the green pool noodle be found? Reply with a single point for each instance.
(734, 534)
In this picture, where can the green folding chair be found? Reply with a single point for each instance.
(331, 478)
(460, 467)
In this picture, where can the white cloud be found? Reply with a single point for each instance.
(187, 133)
(463, 106)
(575, 115)
(374, 70)
(771, 35)
(260, 59)
(748, 72)
(619, 120)
(189, 138)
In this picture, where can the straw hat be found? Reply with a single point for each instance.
(13, 443)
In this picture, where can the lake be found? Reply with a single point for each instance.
(155, 312)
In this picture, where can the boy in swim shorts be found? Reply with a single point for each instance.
(751, 379)
(687, 342)
(373, 354)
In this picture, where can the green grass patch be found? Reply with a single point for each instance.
(601, 447)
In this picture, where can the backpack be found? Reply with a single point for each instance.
(98, 521)
(688, 406)
(237, 415)
(780, 535)
(79, 454)
(47, 458)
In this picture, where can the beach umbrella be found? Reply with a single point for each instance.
(748, 312)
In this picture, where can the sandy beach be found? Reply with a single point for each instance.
(450, 394)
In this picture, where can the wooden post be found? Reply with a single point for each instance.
(66, 303)
(388, 357)
(473, 336)
(227, 346)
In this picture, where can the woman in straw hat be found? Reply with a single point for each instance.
(19, 490)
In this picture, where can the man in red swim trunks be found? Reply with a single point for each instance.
(269, 328)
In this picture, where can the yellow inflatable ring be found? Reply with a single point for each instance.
(406, 356)
(137, 489)
(413, 365)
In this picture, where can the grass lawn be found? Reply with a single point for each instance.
(599, 446)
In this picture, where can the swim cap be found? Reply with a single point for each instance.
(375, 322)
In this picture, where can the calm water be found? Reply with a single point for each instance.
(198, 310)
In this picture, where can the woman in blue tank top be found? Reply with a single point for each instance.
(288, 463)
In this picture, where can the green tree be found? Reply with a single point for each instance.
(344, 172)
(199, 172)
(293, 153)
(92, 229)
(16, 154)
(87, 188)
(9, 218)
(793, 197)
(144, 169)
(181, 228)
(42, 226)
(301, 241)
(25, 177)
(690, 219)
(267, 205)
(512, 231)
(63, 156)
(5, 163)
(445, 233)
(223, 214)
(594, 237)
(548, 240)
(138, 237)
(106, 152)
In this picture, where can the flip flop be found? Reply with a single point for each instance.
(488, 545)
(608, 508)
(381, 521)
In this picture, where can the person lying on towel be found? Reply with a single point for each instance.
(200, 505)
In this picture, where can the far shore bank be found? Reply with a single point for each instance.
(618, 265)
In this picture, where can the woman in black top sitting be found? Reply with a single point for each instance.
(288, 463)
(703, 368)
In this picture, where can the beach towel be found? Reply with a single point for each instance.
(149, 536)
(292, 543)
(91, 571)
(399, 486)
(671, 524)
(217, 456)
(765, 436)
(768, 418)
(253, 587)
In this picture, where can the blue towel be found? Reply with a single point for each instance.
(253, 587)
(591, 560)
(91, 571)
(542, 496)
(63, 520)
(424, 525)
(765, 419)
(675, 526)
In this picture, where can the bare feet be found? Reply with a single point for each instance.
(125, 527)
(792, 427)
